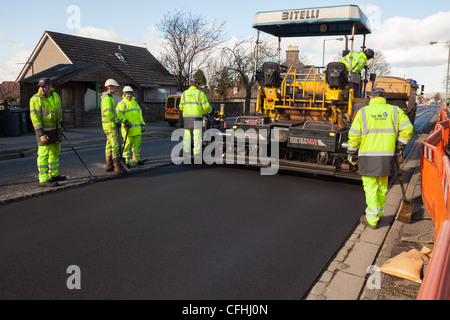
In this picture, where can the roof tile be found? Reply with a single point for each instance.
(140, 64)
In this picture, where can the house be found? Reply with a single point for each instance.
(79, 67)
(240, 95)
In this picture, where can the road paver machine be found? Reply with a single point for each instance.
(308, 110)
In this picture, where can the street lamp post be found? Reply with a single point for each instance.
(448, 67)
(323, 56)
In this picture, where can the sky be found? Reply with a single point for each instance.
(401, 30)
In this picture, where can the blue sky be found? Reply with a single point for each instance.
(401, 29)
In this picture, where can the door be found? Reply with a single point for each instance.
(68, 107)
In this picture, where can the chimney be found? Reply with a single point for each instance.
(293, 57)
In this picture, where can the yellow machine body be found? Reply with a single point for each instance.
(305, 95)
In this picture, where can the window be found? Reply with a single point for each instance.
(170, 103)
(91, 97)
(163, 94)
(120, 57)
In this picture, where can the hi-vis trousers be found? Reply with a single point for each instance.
(112, 143)
(136, 142)
(375, 189)
(197, 133)
(48, 161)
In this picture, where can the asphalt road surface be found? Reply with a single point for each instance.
(178, 233)
(187, 232)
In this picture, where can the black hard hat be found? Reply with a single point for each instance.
(43, 82)
(369, 53)
(378, 92)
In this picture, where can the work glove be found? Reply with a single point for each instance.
(142, 129)
(400, 147)
(128, 124)
(352, 158)
(45, 139)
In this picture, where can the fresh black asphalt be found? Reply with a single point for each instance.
(177, 233)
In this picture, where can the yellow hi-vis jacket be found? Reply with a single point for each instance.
(110, 119)
(46, 116)
(374, 135)
(130, 110)
(358, 62)
(193, 102)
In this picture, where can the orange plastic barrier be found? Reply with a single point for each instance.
(442, 116)
(435, 169)
(432, 164)
(445, 125)
(436, 284)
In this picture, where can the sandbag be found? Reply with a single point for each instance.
(407, 265)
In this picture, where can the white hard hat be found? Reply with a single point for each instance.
(128, 89)
(111, 82)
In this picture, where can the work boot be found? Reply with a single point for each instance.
(364, 221)
(48, 184)
(109, 164)
(58, 178)
(141, 162)
(118, 167)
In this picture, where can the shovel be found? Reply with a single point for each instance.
(91, 177)
(122, 150)
(406, 208)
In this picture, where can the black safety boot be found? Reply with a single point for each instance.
(48, 184)
(58, 178)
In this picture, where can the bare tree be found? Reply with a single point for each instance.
(378, 65)
(437, 96)
(212, 72)
(189, 41)
(239, 59)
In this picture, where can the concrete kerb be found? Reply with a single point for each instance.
(84, 182)
(17, 155)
